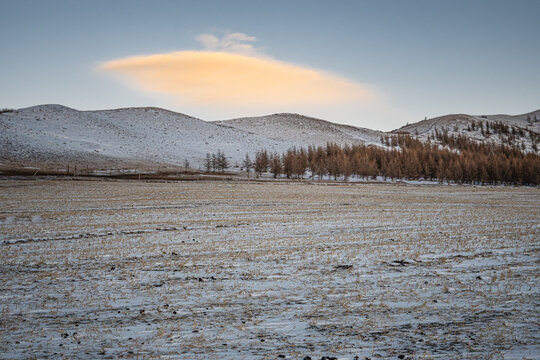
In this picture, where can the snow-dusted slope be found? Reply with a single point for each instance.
(57, 134)
(529, 120)
(301, 129)
(521, 128)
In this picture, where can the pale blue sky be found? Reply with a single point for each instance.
(425, 58)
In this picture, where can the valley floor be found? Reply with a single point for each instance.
(210, 269)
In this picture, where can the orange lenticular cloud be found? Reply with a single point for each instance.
(206, 78)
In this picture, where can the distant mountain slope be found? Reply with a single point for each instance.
(521, 132)
(301, 129)
(57, 134)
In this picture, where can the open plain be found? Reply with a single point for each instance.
(110, 269)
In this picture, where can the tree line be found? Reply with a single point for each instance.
(453, 158)
(509, 135)
(216, 162)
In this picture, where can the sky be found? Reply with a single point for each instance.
(376, 64)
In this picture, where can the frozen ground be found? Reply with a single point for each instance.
(260, 270)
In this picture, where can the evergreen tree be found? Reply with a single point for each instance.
(207, 163)
(222, 163)
(187, 165)
(247, 165)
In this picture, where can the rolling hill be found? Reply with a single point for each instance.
(58, 135)
(55, 135)
(521, 131)
(303, 130)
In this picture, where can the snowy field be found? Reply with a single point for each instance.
(104, 269)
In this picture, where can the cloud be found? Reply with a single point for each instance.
(230, 42)
(228, 75)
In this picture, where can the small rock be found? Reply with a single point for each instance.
(399, 263)
(401, 356)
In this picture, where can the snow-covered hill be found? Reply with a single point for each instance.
(57, 135)
(516, 130)
(305, 130)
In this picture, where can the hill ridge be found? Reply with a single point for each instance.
(59, 134)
